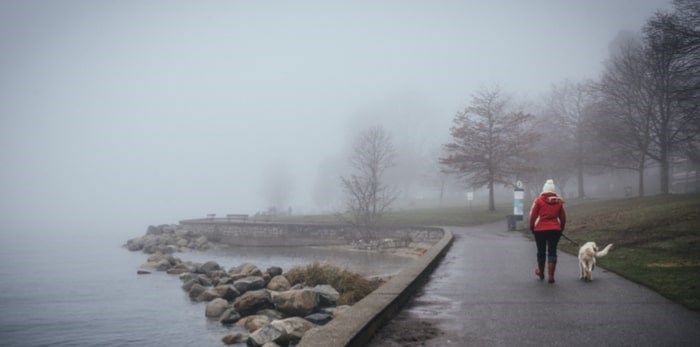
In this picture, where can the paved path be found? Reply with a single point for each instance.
(484, 293)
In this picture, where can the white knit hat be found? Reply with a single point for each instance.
(548, 186)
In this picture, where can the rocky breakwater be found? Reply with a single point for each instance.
(168, 239)
(263, 308)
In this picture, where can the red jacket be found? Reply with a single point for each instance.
(547, 213)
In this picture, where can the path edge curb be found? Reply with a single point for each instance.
(357, 325)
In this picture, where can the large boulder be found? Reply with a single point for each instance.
(182, 242)
(235, 338)
(268, 333)
(196, 290)
(274, 271)
(154, 230)
(223, 291)
(327, 294)
(184, 277)
(296, 302)
(178, 269)
(254, 322)
(294, 327)
(229, 317)
(189, 281)
(228, 292)
(208, 267)
(244, 270)
(249, 283)
(150, 244)
(160, 265)
(134, 244)
(270, 313)
(161, 261)
(279, 283)
(216, 308)
(208, 295)
(252, 301)
(201, 243)
(224, 279)
(319, 318)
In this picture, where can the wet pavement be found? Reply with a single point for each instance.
(485, 293)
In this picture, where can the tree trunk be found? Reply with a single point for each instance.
(581, 194)
(665, 170)
(641, 180)
(492, 204)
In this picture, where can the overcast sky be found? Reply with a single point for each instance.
(146, 112)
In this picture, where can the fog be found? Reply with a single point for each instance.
(129, 113)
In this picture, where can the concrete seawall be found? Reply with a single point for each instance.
(357, 325)
(286, 234)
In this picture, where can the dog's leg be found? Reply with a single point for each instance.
(588, 271)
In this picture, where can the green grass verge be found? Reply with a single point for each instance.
(448, 216)
(443, 216)
(657, 241)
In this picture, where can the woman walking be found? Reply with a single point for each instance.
(547, 222)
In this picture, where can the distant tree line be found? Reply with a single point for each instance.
(642, 111)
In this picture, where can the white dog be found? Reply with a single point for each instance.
(586, 258)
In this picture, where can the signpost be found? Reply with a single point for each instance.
(518, 195)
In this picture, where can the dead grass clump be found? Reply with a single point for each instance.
(351, 286)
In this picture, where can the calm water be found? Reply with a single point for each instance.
(84, 291)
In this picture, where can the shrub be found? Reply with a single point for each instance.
(351, 286)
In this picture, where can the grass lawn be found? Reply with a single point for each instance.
(442, 216)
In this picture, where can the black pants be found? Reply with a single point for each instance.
(547, 245)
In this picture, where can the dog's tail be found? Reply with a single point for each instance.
(605, 250)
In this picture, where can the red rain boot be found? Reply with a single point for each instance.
(550, 271)
(539, 271)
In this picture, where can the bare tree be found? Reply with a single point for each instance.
(434, 176)
(367, 195)
(569, 109)
(624, 112)
(554, 160)
(491, 144)
(673, 64)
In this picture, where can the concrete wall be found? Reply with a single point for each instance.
(277, 234)
(356, 326)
